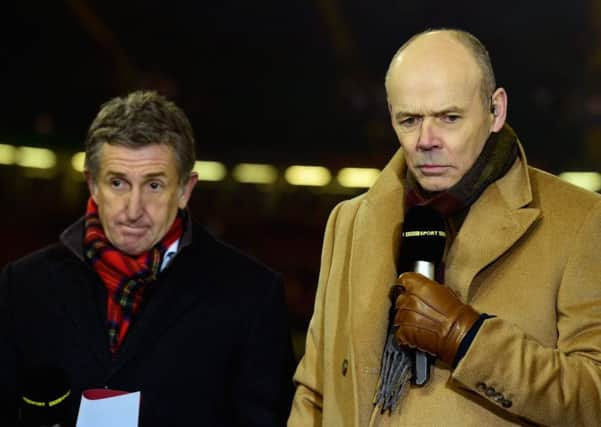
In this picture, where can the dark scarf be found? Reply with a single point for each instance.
(498, 155)
(125, 277)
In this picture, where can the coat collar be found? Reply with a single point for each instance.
(494, 223)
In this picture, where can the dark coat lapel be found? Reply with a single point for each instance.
(82, 301)
(177, 291)
(83, 295)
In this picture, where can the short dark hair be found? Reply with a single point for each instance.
(478, 51)
(139, 119)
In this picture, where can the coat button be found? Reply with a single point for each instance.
(499, 398)
(506, 403)
(344, 367)
(490, 391)
(481, 387)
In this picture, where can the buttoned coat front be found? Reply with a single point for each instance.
(528, 252)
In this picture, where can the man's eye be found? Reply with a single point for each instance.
(155, 186)
(116, 183)
(408, 121)
(451, 118)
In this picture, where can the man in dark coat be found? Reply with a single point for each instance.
(136, 297)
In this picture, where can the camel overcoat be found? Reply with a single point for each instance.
(528, 252)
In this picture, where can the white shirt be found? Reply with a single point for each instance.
(169, 254)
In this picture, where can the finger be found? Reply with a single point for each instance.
(414, 318)
(411, 280)
(395, 291)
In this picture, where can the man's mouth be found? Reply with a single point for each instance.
(433, 169)
(133, 230)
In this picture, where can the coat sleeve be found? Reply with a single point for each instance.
(558, 386)
(8, 358)
(308, 399)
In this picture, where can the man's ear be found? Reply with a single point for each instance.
(91, 184)
(186, 190)
(498, 109)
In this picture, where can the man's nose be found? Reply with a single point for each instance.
(135, 205)
(428, 135)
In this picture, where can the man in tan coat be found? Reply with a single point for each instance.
(515, 323)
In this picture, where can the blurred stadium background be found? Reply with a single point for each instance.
(270, 86)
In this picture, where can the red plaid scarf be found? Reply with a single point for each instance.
(123, 276)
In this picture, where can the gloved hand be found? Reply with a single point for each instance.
(430, 317)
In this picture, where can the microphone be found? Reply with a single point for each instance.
(45, 398)
(423, 243)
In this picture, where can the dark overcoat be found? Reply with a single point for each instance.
(211, 346)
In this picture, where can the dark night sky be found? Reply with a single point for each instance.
(282, 81)
(294, 81)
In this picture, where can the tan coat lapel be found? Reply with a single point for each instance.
(501, 213)
(372, 267)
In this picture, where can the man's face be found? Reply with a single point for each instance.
(138, 194)
(437, 113)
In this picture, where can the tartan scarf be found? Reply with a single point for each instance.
(125, 277)
(497, 156)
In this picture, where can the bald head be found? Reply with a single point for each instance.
(446, 48)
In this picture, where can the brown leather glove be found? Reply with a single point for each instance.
(430, 317)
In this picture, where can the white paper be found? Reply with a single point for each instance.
(116, 411)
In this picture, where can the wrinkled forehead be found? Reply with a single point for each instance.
(159, 157)
(433, 92)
